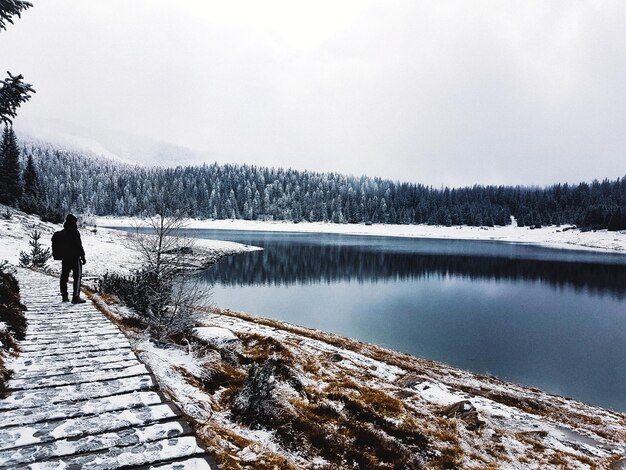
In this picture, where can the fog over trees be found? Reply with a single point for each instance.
(72, 181)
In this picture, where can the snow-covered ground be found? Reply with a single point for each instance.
(557, 237)
(105, 249)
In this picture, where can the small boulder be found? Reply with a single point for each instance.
(409, 380)
(215, 336)
(466, 411)
(336, 357)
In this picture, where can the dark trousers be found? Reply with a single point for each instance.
(76, 267)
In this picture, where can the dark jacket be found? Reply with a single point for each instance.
(73, 246)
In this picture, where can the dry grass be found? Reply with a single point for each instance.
(560, 460)
(533, 440)
(101, 301)
(345, 423)
(350, 424)
(382, 402)
(447, 434)
(258, 348)
(226, 443)
(450, 458)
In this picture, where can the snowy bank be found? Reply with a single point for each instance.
(556, 237)
(293, 397)
(105, 249)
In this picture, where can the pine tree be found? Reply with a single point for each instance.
(38, 256)
(10, 174)
(31, 200)
(73, 182)
(617, 220)
(13, 90)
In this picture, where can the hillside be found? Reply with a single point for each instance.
(75, 182)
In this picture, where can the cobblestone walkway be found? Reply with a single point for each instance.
(80, 398)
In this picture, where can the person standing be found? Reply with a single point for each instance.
(68, 247)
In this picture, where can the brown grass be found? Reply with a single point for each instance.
(559, 460)
(533, 440)
(258, 348)
(100, 301)
(345, 423)
(449, 458)
(383, 402)
(445, 434)
(226, 443)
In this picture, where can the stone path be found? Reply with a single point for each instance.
(80, 398)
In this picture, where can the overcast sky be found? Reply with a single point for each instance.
(437, 92)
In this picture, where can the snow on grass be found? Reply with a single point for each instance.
(105, 249)
(285, 395)
(557, 237)
(309, 391)
(575, 430)
(214, 336)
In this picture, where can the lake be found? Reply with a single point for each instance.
(544, 317)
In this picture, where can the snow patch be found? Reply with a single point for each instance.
(564, 237)
(215, 336)
(106, 250)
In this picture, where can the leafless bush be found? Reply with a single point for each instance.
(166, 278)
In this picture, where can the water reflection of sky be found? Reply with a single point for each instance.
(561, 341)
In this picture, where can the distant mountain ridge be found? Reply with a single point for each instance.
(115, 145)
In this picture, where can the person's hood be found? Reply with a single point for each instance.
(70, 221)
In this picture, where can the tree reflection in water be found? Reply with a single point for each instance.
(307, 259)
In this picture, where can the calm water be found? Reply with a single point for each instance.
(555, 319)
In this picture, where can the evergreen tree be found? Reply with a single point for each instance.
(71, 181)
(617, 220)
(10, 174)
(31, 200)
(38, 256)
(11, 8)
(13, 90)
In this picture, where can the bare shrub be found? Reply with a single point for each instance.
(165, 286)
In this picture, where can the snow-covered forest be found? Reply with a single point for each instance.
(72, 181)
